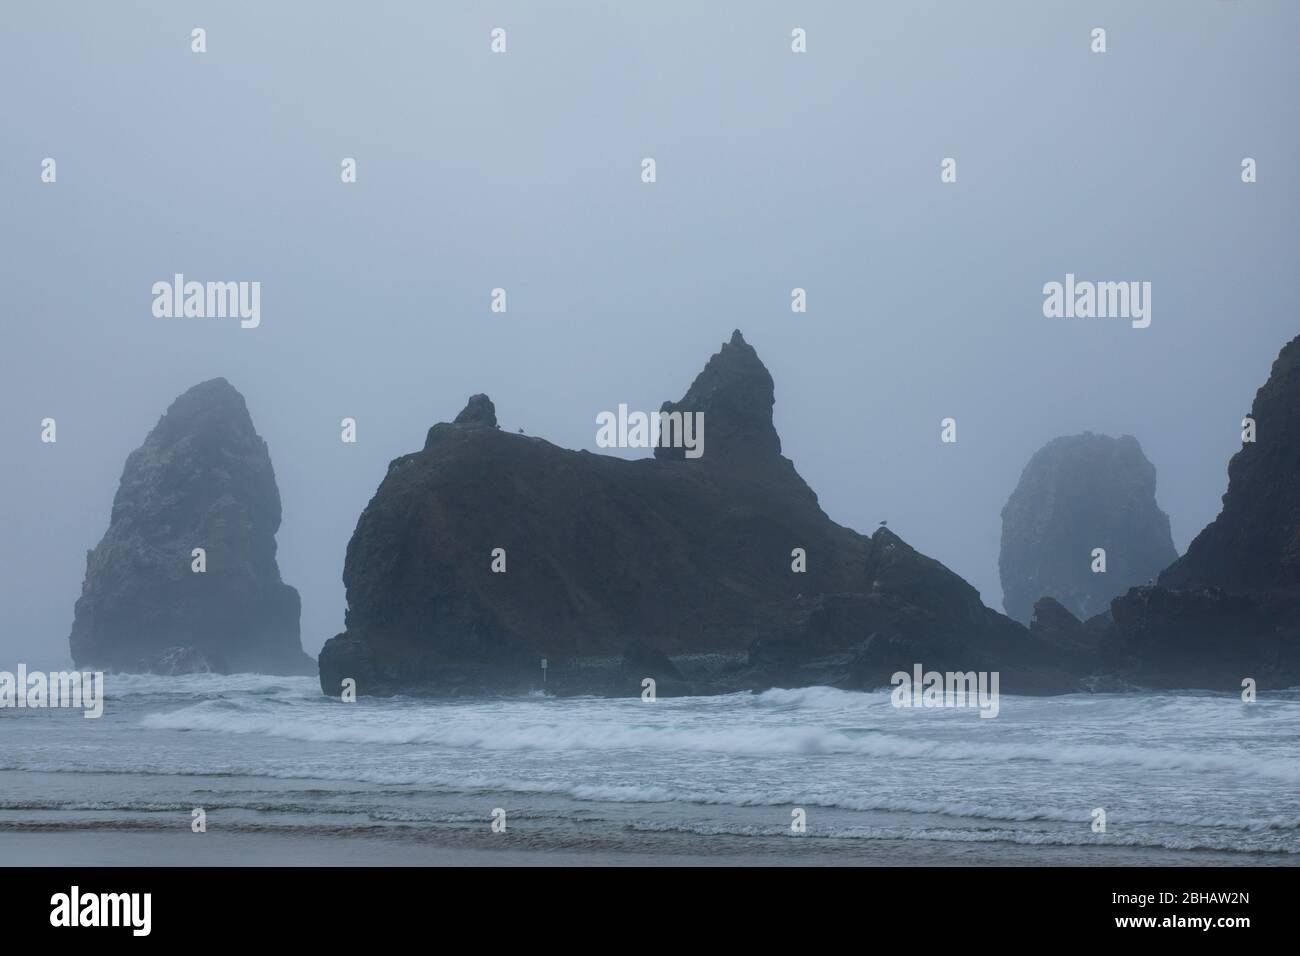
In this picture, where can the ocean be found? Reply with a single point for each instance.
(283, 774)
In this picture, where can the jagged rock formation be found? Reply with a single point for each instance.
(736, 394)
(202, 479)
(1076, 644)
(479, 410)
(1254, 543)
(1230, 607)
(668, 567)
(1076, 494)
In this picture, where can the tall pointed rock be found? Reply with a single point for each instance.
(734, 396)
(201, 480)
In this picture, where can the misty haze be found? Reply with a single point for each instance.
(721, 434)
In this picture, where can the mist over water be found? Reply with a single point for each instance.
(775, 171)
(474, 173)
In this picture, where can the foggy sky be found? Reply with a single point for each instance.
(775, 170)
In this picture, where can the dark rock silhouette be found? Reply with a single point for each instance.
(1229, 609)
(735, 393)
(1076, 644)
(479, 410)
(1076, 494)
(1254, 543)
(667, 567)
(202, 479)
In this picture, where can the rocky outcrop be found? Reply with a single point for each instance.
(479, 410)
(735, 394)
(486, 551)
(1074, 643)
(1205, 637)
(1077, 494)
(1229, 609)
(201, 480)
(1254, 543)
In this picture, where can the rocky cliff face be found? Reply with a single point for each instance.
(1077, 494)
(1254, 543)
(669, 567)
(1230, 608)
(202, 479)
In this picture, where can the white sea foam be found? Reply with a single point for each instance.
(563, 732)
(1171, 770)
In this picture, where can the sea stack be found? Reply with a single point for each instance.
(1229, 609)
(185, 579)
(486, 552)
(1078, 494)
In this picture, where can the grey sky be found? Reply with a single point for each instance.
(775, 170)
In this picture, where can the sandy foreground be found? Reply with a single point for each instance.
(91, 847)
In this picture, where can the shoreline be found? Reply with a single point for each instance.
(95, 847)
